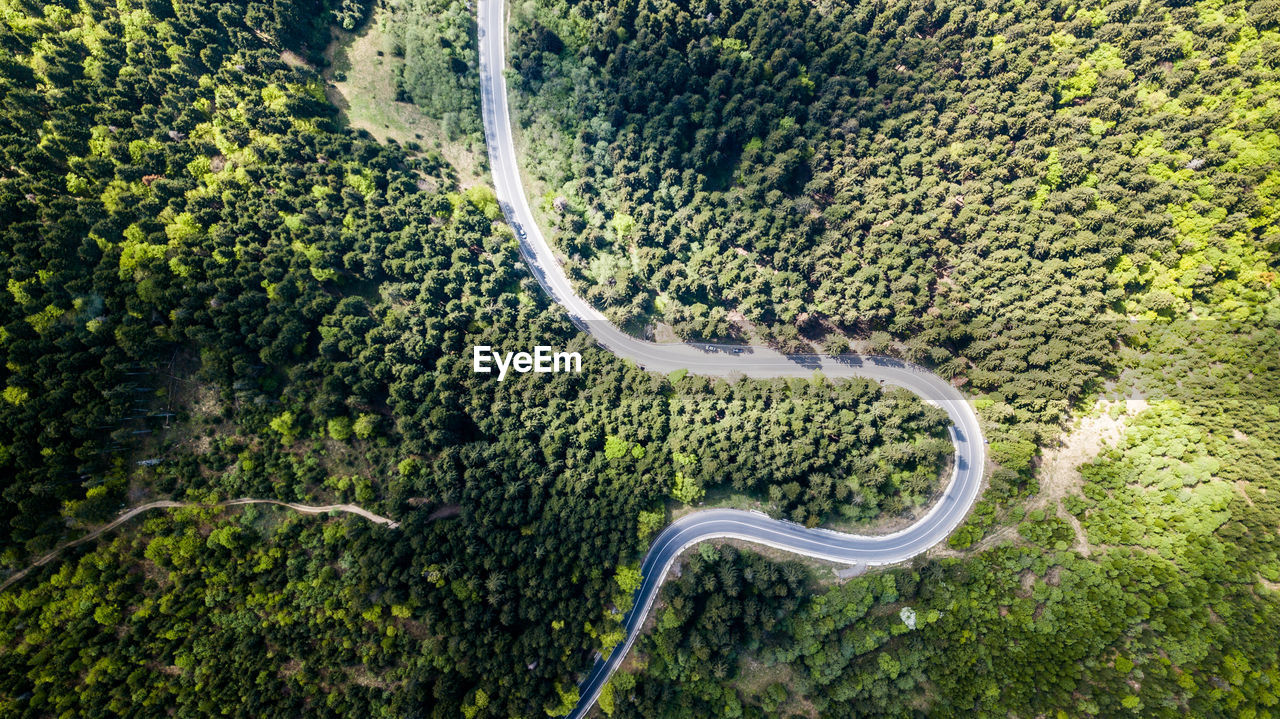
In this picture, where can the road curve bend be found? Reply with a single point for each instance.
(719, 360)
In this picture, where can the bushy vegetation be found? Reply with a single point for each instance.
(993, 185)
(437, 41)
(1170, 614)
(1032, 198)
(209, 273)
(998, 188)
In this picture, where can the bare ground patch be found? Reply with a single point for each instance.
(1007, 534)
(445, 511)
(293, 59)
(1059, 470)
(663, 333)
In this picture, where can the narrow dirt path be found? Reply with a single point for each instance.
(170, 504)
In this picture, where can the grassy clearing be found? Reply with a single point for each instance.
(755, 679)
(361, 74)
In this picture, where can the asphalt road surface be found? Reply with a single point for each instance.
(720, 360)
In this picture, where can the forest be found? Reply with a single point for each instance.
(994, 190)
(1169, 611)
(219, 290)
(1051, 203)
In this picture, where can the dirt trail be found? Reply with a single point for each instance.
(170, 504)
(1059, 471)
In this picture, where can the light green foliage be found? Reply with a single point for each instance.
(285, 424)
(687, 489)
(1049, 532)
(107, 615)
(136, 254)
(483, 198)
(1160, 474)
(1052, 178)
(1014, 455)
(1082, 84)
(19, 290)
(366, 425)
(616, 447)
(622, 224)
(43, 320)
(628, 579)
(609, 269)
(313, 253)
(360, 180)
(225, 537)
(16, 395)
(479, 701)
(340, 428)
(436, 39)
(568, 697)
(76, 184)
(605, 699)
(183, 228)
(649, 522)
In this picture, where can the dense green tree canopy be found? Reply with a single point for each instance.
(1046, 201)
(218, 290)
(997, 187)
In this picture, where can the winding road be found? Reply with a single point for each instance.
(132, 512)
(719, 360)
